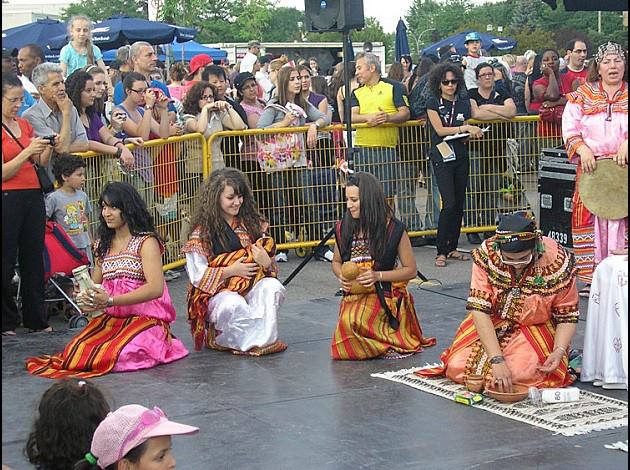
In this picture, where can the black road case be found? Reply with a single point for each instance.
(556, 184)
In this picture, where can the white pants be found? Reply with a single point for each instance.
(605, 355)
(245, 322)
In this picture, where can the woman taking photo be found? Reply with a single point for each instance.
(23, 213)
(447, 116)
(370, 237)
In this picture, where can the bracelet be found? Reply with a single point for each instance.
(497, 360)
(380, 275)
(148, 107)
(110, 302)
(564, 351)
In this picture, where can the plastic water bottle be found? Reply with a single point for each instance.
(543, 396)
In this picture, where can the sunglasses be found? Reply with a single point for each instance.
(450, 82)
(519, 262)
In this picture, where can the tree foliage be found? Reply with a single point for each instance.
(99, 10)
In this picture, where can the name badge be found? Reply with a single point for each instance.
(446, 151)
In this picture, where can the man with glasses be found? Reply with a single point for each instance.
(54, 113)
(522, 312)
(576, 71)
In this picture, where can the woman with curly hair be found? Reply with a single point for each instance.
(69, 413)
(81, 90)
(206, 114)
(234, 295)
(134, 332)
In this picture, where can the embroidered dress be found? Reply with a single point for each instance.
(363, 331)
(524, 315)
(605, 354)
(591, 119)
(124, 338)
(233, 314)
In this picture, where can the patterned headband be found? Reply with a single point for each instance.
(509, 237)
(609, 48)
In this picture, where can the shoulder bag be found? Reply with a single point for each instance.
(42, 175)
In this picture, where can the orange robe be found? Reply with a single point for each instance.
(524, 314)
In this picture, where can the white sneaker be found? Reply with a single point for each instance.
(614, 386)
(598, 383)
(281, 257)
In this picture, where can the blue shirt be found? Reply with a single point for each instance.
(74, 60)
(26, 103)
(119, 93)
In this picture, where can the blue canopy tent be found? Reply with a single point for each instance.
(39, 32)
(489, 42)
(120, 30)
(181, 52)
(402, 42)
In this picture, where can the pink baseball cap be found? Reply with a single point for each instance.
(127, 428)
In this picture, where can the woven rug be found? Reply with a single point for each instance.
(593, 412)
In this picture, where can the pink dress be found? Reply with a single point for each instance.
(122, 273)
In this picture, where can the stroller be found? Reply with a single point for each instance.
(61, 256)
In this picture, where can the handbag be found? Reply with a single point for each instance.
(42, 174)
(552, 114)
(279, 151)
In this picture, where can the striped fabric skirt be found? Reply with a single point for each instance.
(363, 331)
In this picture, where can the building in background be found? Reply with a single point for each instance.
(19, 12)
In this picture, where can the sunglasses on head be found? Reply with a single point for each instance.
(450, 82)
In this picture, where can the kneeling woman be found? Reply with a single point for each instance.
(234, 296)
(523, 310)
(134, 332)
(377, 317)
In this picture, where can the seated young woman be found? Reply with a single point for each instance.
(523, 311)
(234, 295)
(377, 317)
(134, 331)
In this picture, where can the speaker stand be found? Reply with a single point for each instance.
(347, 53)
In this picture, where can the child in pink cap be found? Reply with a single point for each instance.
(136, 437)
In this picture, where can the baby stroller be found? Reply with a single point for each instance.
(61, 256)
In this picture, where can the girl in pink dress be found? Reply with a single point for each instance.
(134, 332)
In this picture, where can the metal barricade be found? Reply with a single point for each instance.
(167, 174)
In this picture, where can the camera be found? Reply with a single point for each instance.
(50, 139)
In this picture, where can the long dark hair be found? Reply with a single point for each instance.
(133, 211)
(283, 84)
(374, 215)
(207, 216)
(194, 94)
(75, 84)
(69, 413)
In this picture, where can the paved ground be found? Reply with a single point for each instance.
(300, 410)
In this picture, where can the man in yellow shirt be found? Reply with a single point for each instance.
(378, 101)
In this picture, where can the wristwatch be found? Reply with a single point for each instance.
(497, 360)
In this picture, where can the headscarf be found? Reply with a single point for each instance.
(515, 233)
(609, 48)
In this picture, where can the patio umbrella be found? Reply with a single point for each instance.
(39, 32)
(120, 30)
(181, 52)
(402, 43)
(488, 42)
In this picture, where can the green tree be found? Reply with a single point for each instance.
(98, 10)
(524, 16)
(536, 40)
(285, 27)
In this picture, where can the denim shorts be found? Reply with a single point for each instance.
(382, 162)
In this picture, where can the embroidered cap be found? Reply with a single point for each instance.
(127, 428)
(516, 232)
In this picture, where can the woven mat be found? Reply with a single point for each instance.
(593, 412)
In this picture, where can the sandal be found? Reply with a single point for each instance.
(440, 261)
(458, 255)
(9, 333)
(48, 329)
(585, 292)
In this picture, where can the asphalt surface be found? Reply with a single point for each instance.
(301, 410)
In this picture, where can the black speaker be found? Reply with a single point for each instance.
(334, 15)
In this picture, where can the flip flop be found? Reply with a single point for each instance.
(48, 329)
(9, 333)
(440, 261)
(457, 255)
